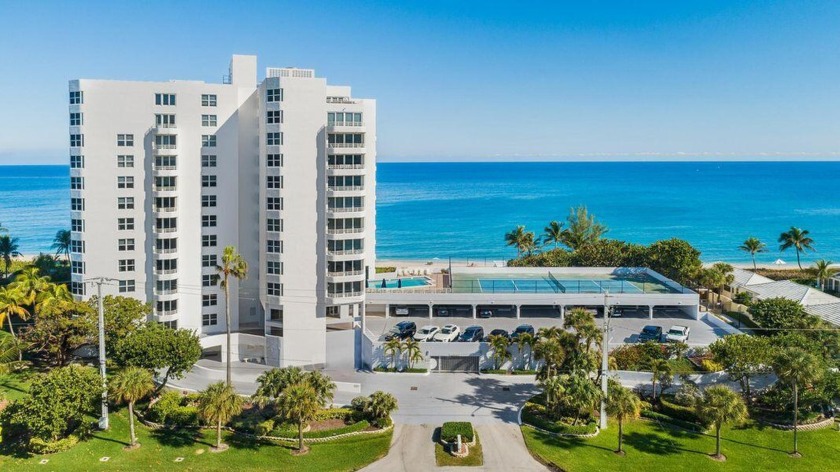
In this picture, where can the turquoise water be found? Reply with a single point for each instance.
(401, 282)
(462, 210)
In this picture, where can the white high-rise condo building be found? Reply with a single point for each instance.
(164, 175)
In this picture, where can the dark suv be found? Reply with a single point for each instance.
(498, 332)
(401, 330)
(526, 328)
(651, 333)
(472, 334)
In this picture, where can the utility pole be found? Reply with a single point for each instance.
(103, 420)
(605, 363)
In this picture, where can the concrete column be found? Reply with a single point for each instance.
(562, 314)
(518, 311)
(430, 311)
(650, 311)
(387, 310)
(474, 309)
(695, 310)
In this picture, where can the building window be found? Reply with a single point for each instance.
(127, 286)
(125, 161)
(164, 99)
(77, 204)
(208, 181)
(166, 245)
(166, 225)
(209, 319)
(77, 267)
(274, 224)
(167, 307)
(166, 141)
(209, 280)
(274, 160)
(274, 139)
(166, 162)
(208, 260)
(77, 288)
(77, 98)
(208, 201)
(125, 140)
(77, 246)
(125, 203)
(208, 161)
(273, 246)
(126, 265)
(274, 117)
(208, 221)
(208, 140)
(75, 119)
(77, 225)
(274, 203)
(166, 266)
(344, 119)
(77, 162)
(208, 240)
(125, 181)
(166, 183)
(274, 289)
(77, 140)
(208, 120)
(274, 95)
(274, 267)
(276, 314)
(126, 244)
(165, 121)
(209, 299)
(208, 100)
(170, 324)
(274, 181)
(77, 183)
(125, 224)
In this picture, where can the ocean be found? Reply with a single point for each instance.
(462, 210)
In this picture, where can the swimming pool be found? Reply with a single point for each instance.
(401, 282)
(548, 283)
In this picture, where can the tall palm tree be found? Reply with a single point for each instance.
(233, 265)
(727, 276)
(553, 233)
(299, 404)
(8, 251)
(8, 353)
(271, 384)
(129, 386)
(53, 297)
(12, 304)
(581, 395)
(551, 352)
(553, 387)
(412, 351)
(380, 406)
(798, 239)
(719, 405)
(753, 246)
(61, 243)
(582, 228)
(660, 371)
(218, 403)
(523, 241)
(323, 385)
(523, 341)
(393, 348)
(824, 271)
(31, 284)
(796, 367)
(500, 345)
(623, 405)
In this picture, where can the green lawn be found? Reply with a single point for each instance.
(475, 457)
(650, 446)
(159, 450)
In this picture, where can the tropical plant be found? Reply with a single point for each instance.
(554, 387)
(3, 229)
(61, 243)
(217, 404)
(271, 384)
(798, 239)
(797, 368)
(553, 233)
(719, 406)
(823, 271)
(299, 404)
(523, 241)
(233, 265)
(726, 276)
(782, 314)
(753, 246)
(676, 259)
(12, 304)
(660, 371)
(523, 341)
(323, 385)
(393, 349)
(743, 357)
(379, 407)
(129, 386)
(582, 228)
(581, 395)
(501, 353)
(412, 351)
(156, 347)
(8, 251)
(549, 350)
(53, 297)
(623, 404)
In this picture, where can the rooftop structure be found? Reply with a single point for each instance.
(815, 301)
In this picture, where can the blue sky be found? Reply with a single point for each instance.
(467, 80)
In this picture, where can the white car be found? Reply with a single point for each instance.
(447, 334)
(678, 334)
(426, 333)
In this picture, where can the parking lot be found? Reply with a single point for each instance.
(625, 330)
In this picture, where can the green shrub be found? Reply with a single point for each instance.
(248, 420)
(382, 270)
(264, 428)
(173, 409)
(709, 365)
(183, 417)
(290, 430)
(534, 415)
(451, 429)
(359, 403)
(40, 446)
(168, 402)
(679, 412)
(333, 414)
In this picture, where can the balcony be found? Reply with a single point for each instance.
(345, 252)
(347, 210)
(165, 271)
(164, 188)
(165, 149)
(165, 230)
(345, 230)
(345, 273)
(345, 145)
(346, 188)
(166, 312)
(340, 100)
(164, 251)
(345, 166)
(171, 209)
(166, 128)
(168, 291)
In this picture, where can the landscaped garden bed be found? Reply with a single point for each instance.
(535, 414)
(446, 446)
(407, 370)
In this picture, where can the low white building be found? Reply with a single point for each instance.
(815, 301)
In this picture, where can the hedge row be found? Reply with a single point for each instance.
(288, 430)
(39, 446)
(532, 415)
(451, 429)
(678, 412)
(652, 415)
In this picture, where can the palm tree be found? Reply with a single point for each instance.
(8, 250)
(796, 367)
(798, 239)
(8, 353)
(218, 403)
(523, 241)
(526, 340)
(824, 271)
(53, 297)
(233, 265)
(624, 405)
(12, 304)
(299, 404)
(61, 243)
(661, 370)
(31, 285)
(271, 384)
(393, 348)
(727, 276)
(753, 246)
(553, 233)
(582, 229)
(323, 385)
(3, 229)
(581, 395)
(719, 405)
(380, 406)
(551, 352)
(128, 386)
(412, 351)
(500, 345)
(554, 387)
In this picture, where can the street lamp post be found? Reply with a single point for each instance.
(103, 419)
(605, 342)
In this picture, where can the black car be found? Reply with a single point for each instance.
(472, 334)
(526, 328)
(485, 313)
(651, 333)
(498, 332)
(401, 330)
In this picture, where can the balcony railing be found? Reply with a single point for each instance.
(166, 230)
(344, 273)
(345, 166)
(157, 146)
(345, 252)
(164, 209)
(346, 145)
(166, 312)
(345, 230)
(168, 291)
(168, 250)
(345, 294)
(165, 168)
(165, 271)
(165, 125)
(346, 188)
(164, 188)
(346, 209)
(345, 123)
(340, 100)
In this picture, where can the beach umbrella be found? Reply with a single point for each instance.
(384, 285)
(780, 262)
(399, 283)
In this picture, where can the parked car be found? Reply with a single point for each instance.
(651, 333)
(526, 328)
(401, 311)
(472, 334)
(498, 332)
(401, 330)
(485, 313)
(443, 312)
(617, 313)
(678, 334)
(426, 333)
(447, 334)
